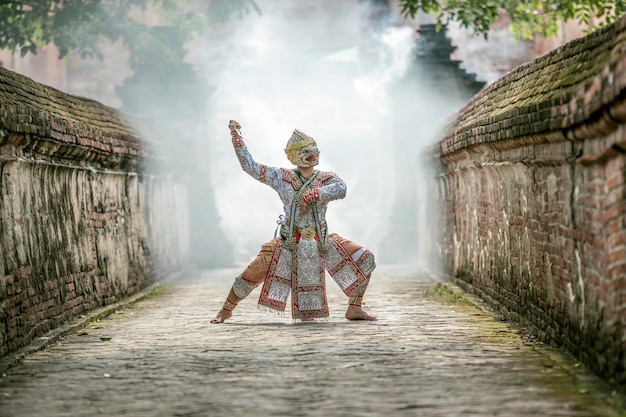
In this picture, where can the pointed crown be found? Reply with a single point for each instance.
(297, 140)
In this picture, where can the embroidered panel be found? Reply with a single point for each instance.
(283, 267)
(309, 304)
(348, 274)
(312, 297)
(310, 300)
(333, 259)
(321, 179)
(308, 263)
(275, 293)
(367, 263)
(279, 291)
(290, 177)
(345, 277)
(278, 302)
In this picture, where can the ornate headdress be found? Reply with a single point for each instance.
(297, 141)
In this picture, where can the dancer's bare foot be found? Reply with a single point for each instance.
(222, 316)
(357, 313)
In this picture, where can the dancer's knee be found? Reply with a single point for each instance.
(242, 288)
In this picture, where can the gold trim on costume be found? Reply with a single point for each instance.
(306, 232)
(298, 145)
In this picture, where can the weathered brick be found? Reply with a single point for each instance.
(572, 222)
(56, 230)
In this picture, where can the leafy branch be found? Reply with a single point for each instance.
(77, 26)
(528, 17)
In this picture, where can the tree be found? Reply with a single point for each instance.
(527, 16)
(165, 93)
(76, 26)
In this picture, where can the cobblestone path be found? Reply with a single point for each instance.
(162, 357)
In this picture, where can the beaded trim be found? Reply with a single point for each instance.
(237, 139)
(294, 146)
(306, 232)
(323, 247)
(229, 306)
(289, 243)
(356, 301)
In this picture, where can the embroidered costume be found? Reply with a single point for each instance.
(293, 264)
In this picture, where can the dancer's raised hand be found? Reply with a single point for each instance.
(234, 125)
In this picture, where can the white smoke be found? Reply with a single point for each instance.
(285, 70)
(398, 44)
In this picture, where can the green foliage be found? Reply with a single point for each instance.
(72, 25)
(77, 26)
(527, 16)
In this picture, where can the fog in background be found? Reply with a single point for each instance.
(316, 69)
(341, 71)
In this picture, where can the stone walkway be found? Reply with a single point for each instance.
(161, 357)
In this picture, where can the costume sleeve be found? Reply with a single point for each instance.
(267, 175)
(333, 189)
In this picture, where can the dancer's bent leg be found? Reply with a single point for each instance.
(227, 309)
(355, 309)
(252, 277)
(241, 289)
(365, 262)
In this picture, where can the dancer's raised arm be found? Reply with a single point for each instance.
(260, 172)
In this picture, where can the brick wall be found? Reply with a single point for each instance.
(533, 185)
(81, 222)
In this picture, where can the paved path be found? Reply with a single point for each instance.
(422, 358)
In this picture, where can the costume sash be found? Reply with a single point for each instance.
(290, 240)
(277, 285)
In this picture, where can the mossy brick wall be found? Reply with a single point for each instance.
(81, 223)
(534, 193)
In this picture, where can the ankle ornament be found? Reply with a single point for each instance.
(229, 306)
(356, 301)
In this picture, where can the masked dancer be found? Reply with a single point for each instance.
(293, 264)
